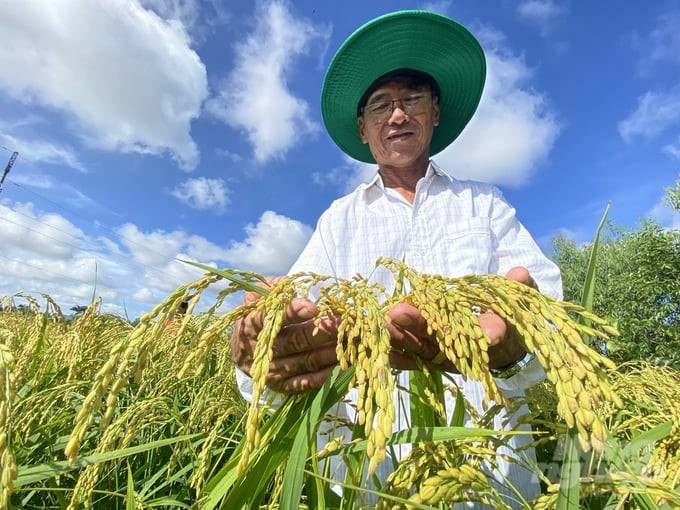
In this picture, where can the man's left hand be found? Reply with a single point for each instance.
(410, 339)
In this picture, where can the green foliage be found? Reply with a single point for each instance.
(637, 288)
(673, 196)
(175, 433)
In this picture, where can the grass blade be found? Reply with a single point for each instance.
(41, 472)
(130, 493)
(293, 476)
(232, 276)
(570, 486)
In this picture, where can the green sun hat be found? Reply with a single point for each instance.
(420, 40)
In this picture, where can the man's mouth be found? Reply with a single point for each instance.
(399, 135)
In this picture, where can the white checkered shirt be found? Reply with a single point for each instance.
(454, 228)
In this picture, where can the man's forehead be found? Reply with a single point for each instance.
(389, 88)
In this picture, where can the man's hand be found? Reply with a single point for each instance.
(301, 360)
(410, 338)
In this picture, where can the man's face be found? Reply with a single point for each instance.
(399, 138)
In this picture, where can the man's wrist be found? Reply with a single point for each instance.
(514, 368)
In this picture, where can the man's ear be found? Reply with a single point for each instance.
(362, 129)
(435, 111)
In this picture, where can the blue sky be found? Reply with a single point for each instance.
(154, 130)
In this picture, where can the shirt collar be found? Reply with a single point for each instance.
(432, 170)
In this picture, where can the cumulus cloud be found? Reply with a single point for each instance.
(187, 12)
(25, 231)
(347, 176)
(541, 13)
(125, 79)
(203, 193)
(44, 252)
(513, 130)
(655, 112)
(255, 98)
(272, 245)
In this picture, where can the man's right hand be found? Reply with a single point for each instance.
(301, 360)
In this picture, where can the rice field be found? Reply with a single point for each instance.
(96, 413)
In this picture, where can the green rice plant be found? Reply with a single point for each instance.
(107, 415)
(446, 303)
(53, 385)
(639, 465)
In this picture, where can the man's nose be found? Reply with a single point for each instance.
(398, 114)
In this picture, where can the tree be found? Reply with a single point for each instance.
(673, 196)
(78, 311)
(637, 288)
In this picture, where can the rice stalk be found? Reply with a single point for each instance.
(8, 466)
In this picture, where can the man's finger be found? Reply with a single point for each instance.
(522, 275)
(402, 361)
(298, 310)
(304, 336)
(302, 363)
(404, 340)
(304, 382)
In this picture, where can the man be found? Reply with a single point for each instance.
(400, 89)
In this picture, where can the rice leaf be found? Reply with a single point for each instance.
(429, 434)
(293, 476)
(42, 472)
(458, 415)
(130, 494)
(277, 436)
(231, 276)
(570, 487)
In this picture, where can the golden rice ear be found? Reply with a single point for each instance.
(450, 307)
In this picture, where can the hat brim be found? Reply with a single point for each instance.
(420, 40)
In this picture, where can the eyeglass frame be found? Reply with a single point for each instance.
(368, 110)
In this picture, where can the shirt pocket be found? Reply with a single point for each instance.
(465, 247)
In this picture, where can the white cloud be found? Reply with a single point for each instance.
(155, 249)
(255, 98)
(662, 44)
(203, 193)
(673, 149)
(513, 129)
(186, 12)
(271, 246)
(25, 231)
(45, 253)
(128, 79)
(441, 7)
(38, 151)
(655, 112)
(131, 270)
(541, 13)
(347, 176)
(666, 216)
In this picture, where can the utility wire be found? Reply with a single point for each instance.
(85, 218)
(95, 223)
(43, 270)
(92, 247)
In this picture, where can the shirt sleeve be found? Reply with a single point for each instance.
(319, 254)
(514, 386)
(268, 397)
(514, 246)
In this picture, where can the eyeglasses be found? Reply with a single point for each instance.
(381, 111)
